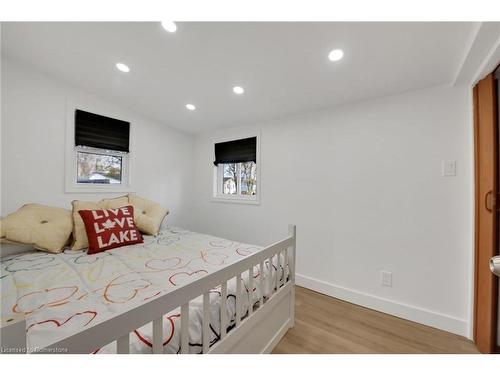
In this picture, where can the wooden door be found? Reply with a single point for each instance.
(486, 175)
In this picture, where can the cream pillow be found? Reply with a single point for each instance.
(80, 240)
(148, 215)
(46, 228)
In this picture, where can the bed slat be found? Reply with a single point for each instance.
(292, 231)
(278, 261)
(250, 291)
(270, 279)
(261, 283)
(223, 310)
(185, 328)
(238, 299)
(285, 266)
(206, 321)
(158, 335)
(123, 344)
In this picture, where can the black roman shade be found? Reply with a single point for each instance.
(98, 131)
(238, 151)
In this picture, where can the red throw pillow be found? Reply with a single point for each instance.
(108, 229)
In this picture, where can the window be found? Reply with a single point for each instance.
(236, 173)
(239, 178)
(95, 166)
(99, 153)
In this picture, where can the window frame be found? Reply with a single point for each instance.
(71, 166)
(218, 175)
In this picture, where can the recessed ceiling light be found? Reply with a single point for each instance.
(336, 55)
(170, 26)
(122, 67)
(191, 107)
(238, 90)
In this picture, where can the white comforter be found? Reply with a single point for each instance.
(62, 294)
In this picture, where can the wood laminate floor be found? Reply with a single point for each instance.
(327, 325)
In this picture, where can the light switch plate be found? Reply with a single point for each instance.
(449, 168)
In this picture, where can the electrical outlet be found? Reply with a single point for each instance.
(386, 278)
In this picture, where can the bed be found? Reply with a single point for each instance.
(178, 292)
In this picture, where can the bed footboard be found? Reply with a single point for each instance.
(266, 321)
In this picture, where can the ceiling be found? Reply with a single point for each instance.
(283, 66)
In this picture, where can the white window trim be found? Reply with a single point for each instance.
(240, 199)
(70, 175)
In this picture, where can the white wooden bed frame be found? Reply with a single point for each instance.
(259, 332)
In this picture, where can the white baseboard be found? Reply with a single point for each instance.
(401, 310)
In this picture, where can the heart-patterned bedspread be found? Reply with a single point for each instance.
(62, 294)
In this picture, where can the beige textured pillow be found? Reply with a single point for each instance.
(148, 215)
(80, 240)
(46, 228)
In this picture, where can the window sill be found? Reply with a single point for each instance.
(97, 189)
(236, 200)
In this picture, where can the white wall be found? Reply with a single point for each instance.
(363, 184)
(33, 147)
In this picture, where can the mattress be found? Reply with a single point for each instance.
(63, 294)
